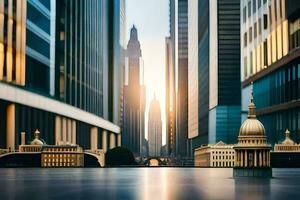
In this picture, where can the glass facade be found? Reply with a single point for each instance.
(281, 86)
(218, 71)
(275, 74)
(38, 47)
(86, 55)
(181, 63)
(62, 53)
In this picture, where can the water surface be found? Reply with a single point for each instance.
(145, 183)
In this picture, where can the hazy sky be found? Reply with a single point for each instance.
(151, 17)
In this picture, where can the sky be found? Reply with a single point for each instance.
(151, 18)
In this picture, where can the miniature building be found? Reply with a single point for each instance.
(252, 150)
(286, 154)
(288, 145)
(62, 156)
(54, 155)
(35, 145)
(215, 155)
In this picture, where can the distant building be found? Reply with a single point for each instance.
(215, 155)
(270, 58)
(133, 126)
(154, 129)
(214, 91)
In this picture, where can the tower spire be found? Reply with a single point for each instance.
(251, 112)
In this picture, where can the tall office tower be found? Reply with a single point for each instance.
(214, 71)
(154, 129)
(270, 58)
(170, 99)
(55, 73)
(134, 98)
(122, 61)
(179, 40)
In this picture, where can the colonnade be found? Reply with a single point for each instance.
(65, 132)
(252, 158)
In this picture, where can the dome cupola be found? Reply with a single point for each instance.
(37, 140)
(252, 126)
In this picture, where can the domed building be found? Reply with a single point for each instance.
(252, 150)
(37, 140)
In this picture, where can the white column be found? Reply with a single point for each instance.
(23, 139)
(73, 132)
(94, 138)
(112, 141)
(69, 131)
(64, 129)
(104, 140)
(242, 159)
(57, 129)
(119, 140)
(260, 159)
(255, 159)
(246, 159)
(10, 127)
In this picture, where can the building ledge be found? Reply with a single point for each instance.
(279, 107)
(18, 95)
(292, 55)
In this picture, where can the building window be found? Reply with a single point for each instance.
(265, 1)
(250, 34)
(258, 4)
(259, 26)
(62, 36)
(280, 9)
(255, 30)
(270, 15)
(251, 62)
(275, 9)
(244, 14)
(245, 67)
(265, 21)
(249, 9)
(254, 6)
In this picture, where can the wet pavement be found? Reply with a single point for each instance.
(145, 184)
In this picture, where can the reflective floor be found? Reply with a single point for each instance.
(145, 183)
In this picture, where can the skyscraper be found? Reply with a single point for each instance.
(154, 129)
(134, 97)
(122, 61)
(55, 72)
(170, 99)
(214, 71)
(270, 58)
(179, 43)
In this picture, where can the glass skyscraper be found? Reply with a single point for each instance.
(214, 72)
(270, 59)
(58, 64)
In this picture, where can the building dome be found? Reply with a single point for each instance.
(252, 126)
(288, 140)
(37, 140)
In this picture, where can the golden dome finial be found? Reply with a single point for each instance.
(37, 134)
(287, 140)
(287, 133)
(251, 112)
